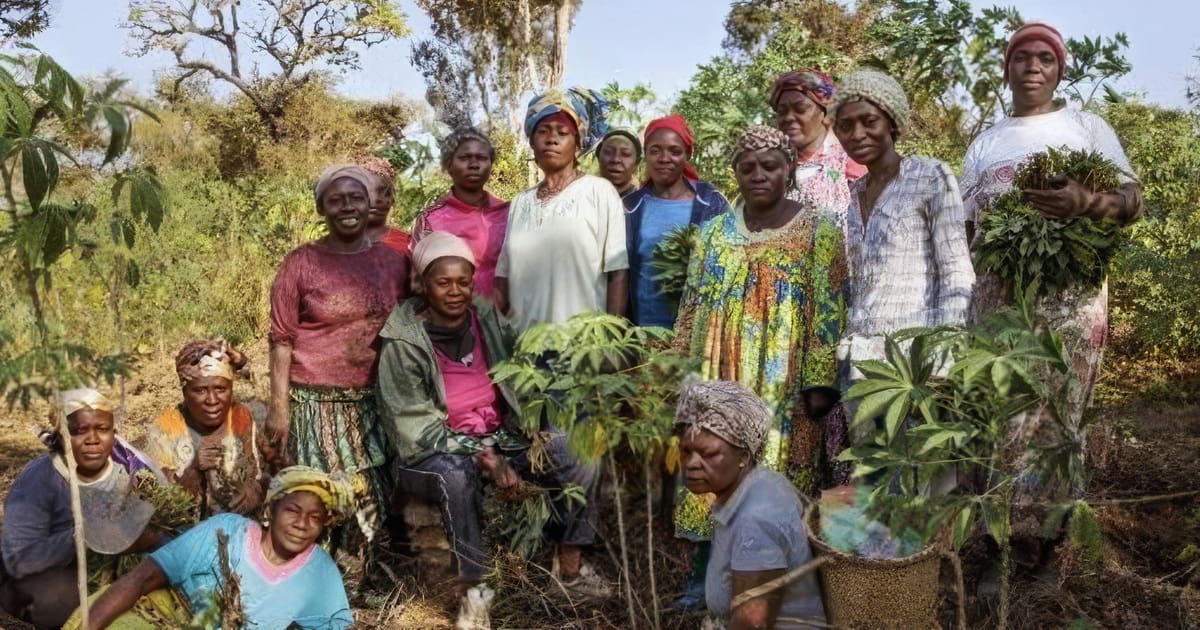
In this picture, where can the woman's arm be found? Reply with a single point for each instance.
(278, 414)
(946, 222)
(618, 292)
(124, 593)
(762, 611)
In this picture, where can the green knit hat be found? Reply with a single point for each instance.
(880, 90)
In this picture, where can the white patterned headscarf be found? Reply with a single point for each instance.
(726, 409)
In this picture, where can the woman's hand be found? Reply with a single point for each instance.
(208, 456)
(1065, 199)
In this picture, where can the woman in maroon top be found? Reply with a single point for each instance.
(329, 300)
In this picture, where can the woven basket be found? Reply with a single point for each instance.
(884, 593)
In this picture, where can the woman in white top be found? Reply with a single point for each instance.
(565, 251)
(1034, 62)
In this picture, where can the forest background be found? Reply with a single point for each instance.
(228, 143)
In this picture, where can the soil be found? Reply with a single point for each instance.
(1139, 448)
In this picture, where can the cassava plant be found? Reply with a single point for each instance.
(947, 397)
(670, 260)
(1024, 248)
(43, 112)
(609, 385)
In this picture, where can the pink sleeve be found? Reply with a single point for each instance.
(285, 301)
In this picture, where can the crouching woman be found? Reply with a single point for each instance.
(451, 427)
(283, 579)
(760, 533)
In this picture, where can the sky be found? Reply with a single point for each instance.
(659, 42)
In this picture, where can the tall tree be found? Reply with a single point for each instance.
(271, 48)
(484, 55)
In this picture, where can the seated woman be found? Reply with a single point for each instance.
(38, 584)
(284, 579)
(208, 444)
(760, 533)
(444, 415)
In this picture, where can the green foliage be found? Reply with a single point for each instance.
(632, 107)
(670, 260)
(521, 520)
(1154, 307)
(601, 380)
(938, 424)
(1024, 248)
(174, 508)
(1085, 536)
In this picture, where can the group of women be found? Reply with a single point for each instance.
(381, 345)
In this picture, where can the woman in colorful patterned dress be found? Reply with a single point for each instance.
(823, 172)
(1034, 62)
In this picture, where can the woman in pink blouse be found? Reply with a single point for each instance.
(329, 301)
(468, 211)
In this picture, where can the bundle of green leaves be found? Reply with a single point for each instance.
(1024, 248)
(670, 260)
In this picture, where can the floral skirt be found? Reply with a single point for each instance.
(337, 429)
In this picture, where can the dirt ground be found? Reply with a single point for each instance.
(1140, 448)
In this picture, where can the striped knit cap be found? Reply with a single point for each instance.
(878, 89)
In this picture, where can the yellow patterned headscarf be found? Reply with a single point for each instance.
(336, 490)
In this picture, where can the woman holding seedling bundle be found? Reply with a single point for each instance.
(1034, 62)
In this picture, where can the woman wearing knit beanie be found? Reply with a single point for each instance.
(905, 230)
(1034, 62)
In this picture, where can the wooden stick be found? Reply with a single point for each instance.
(777, 583)
(1149, 499)
(81, 572)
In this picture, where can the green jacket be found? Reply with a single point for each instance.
(412, 396)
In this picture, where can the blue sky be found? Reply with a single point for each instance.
(656, 41)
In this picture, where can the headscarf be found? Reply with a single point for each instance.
(880, 90)
(73, 400)
(762, 138)
(335, 490)
(1037, 31)
(816, 85)
(679, 125)
(338, 171)
(726, 409)
(628, 135)
(202, 358)
(435, 245)
(376, 165)
(587, 108)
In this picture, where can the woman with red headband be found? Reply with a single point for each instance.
(673, 197)
(564, 252)
(1034, 62)
(823, 172)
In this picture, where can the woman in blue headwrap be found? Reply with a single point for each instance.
(564, 253)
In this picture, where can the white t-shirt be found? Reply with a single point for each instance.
(556, 253)
(991, 162)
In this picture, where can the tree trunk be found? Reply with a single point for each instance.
(562, 29)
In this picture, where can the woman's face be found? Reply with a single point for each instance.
(665, 156)
(802, 120)
(1033, 73)
(92, 437)
(345, 204)
(865, 132)
(382, 198)
(709, 463)
(207, 400)
(297, 521)
(471, 166)
(554, 146)
(618, 161)
(448, 283)
(762, 177)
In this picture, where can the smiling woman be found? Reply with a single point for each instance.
(328, 302)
